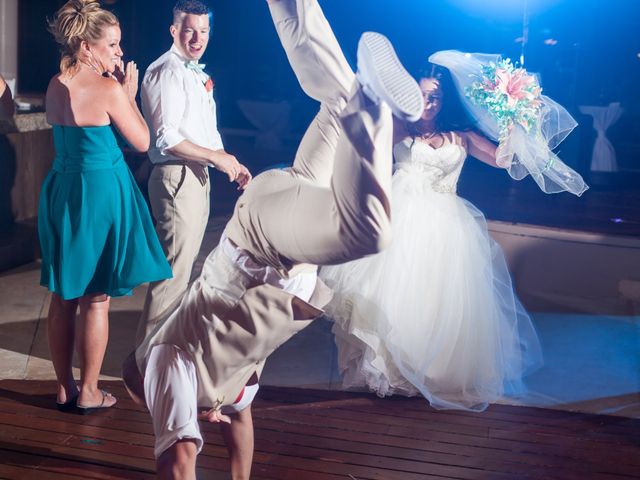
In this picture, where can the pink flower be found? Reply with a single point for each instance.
(209, 85)
(517, 85)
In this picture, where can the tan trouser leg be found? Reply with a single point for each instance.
(324, 74)
(338, 210)
(180, 206)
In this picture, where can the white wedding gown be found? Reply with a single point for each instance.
(434, 314)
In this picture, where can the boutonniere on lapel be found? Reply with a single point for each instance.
(208, 85)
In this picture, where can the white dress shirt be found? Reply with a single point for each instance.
(177, 107)
(302, 284)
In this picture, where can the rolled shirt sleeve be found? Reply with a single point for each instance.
(217, 140)
(166, 100)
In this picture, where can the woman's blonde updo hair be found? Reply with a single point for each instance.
(75, 22)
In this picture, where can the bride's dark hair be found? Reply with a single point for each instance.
(452, 116)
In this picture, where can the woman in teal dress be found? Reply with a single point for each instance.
(96, 235)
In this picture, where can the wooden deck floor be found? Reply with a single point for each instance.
(320, 435)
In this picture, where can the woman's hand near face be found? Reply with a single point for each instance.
(127, 77)
(118, 73)
(131, 81)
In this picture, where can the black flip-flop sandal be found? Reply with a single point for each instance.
(68, 406)
(88, 410)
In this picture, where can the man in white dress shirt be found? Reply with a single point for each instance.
(178, 105)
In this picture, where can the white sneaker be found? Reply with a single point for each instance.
(383, 78)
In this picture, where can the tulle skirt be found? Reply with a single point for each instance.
(435, 314)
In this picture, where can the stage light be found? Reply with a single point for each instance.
(503, 9)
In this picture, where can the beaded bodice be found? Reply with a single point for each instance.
(440, 167)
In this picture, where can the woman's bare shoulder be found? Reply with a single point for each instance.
(80, 99)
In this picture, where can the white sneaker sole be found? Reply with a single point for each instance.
(383, 78)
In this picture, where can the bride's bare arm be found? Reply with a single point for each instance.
(400, 131)
(480, 148)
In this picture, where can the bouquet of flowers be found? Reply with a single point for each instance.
(507, 106)
(509, 94)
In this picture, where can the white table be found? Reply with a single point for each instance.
(603, 158)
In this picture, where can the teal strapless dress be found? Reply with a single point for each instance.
(96, 234)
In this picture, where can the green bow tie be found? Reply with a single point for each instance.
(193, 65)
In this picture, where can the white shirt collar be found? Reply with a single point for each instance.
(176, 51)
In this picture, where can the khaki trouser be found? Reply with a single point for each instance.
(332, 206)
(179, 197)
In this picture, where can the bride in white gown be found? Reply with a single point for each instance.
(435, 314)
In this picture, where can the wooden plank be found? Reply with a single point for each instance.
(413, 449)
(38, 463)
(454, 440)
(24, 472)
(101, 457)
(491, 453)
(449, 454)
(473, 436)
(323, 435)
(574, 423)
